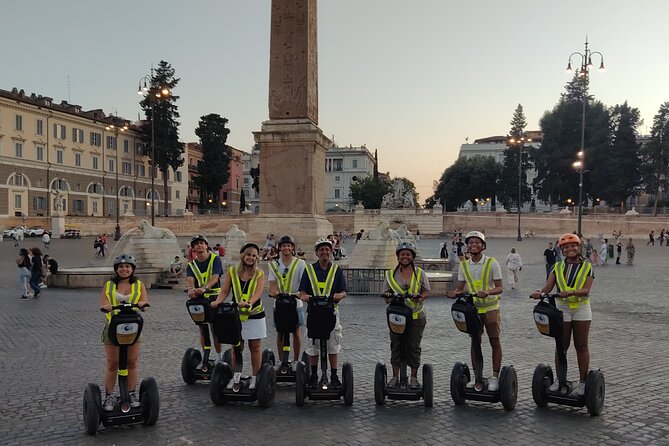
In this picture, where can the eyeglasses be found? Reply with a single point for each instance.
(285, 271)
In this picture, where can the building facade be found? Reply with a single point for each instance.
(60, 157)
(343, 167)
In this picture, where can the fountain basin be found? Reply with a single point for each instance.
(95, 277)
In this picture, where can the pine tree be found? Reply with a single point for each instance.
(214, 167)
(508, 182)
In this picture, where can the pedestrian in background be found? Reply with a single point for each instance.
(630, 251)
(514, 263)
(619, 250)
(46, 239)
(651, 238)
(23, 262)
(550, 257)
(603, 253)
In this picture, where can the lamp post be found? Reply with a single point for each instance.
(146, 88)
(116, 129)
(586, 63)
(520, 142)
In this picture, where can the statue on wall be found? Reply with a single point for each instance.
(151, 232)
(380, 232)
(399, 198)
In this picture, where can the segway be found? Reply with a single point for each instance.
(228, 330)
(467, 320)
(124, 330)
(399, 317)
(549, 322)
(196, 366)
(321, 320)
(285, 319)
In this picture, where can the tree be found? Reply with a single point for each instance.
(409, 186)
(466, 180)
(507, 190)
(255, 174)
(163, 126)
(370, 191)
(242, 202)
(655, 155)
(214, 167)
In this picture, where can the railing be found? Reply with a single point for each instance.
(365, 280)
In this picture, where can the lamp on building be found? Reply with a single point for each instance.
(584, 71)
(116, 129)
(519, 141)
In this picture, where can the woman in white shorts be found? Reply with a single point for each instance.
(573, 277)
(247, 282)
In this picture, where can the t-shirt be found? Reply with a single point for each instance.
(571, 271)
(299, 270)
(216, 268)
(53, 266)
(338, 285)
(550, 255)
(459, 245)
(476, 269)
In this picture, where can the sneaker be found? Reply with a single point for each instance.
(555, 386)
(134, 401)
(471, 383)
(313, 380)
(578, 391)
(334, 382)
(394, 381)
(293, 366)
(252, 383)
(24, 297)
(36, 295)
(42, 285)
(413, 383)
(235, 380)
(493, 384)
(108, 405)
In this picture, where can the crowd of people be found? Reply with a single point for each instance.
(34, 268)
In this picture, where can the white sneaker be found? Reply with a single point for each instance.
(108, 405)
(252, 383)
(43, 285)
(471, 383)
(235, 380)
(134, 401)
(555, 386)
(578, 391)
(293, 366)
(493, 384)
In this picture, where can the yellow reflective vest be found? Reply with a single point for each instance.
(240, 295)
(414, 289)
(483, 304)
(202, 278)
(110, 293)
(284, 282)
(574, 302)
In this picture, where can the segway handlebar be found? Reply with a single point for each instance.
(284, 295)
(469, 297)
(399, 298)
(206, 290)
(126, 306)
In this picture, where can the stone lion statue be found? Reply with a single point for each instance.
(234, 233)
(403, 232)
(151, 232)
(380, 232)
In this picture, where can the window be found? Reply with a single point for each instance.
(39, 127)
(337, 178)
(95, 207)
(127, 168)
(39, 155)
(39, 203)
(126, 146)
(96, 139)
(17, 180)
(139, 170)
(178, 176)
(59, 131)
(78, 206)
(139, 148)
(112, 164)
(96, 161)
(77, 135)
(177, 194)
(77, 159)
(18, 149)
(59, 156)
(18, 123)
(246, 181)
(355, 164)
(95, 188)
(111, 142)
(336, 193)
(337, 165)
(18, 201)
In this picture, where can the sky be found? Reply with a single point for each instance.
(411, 79)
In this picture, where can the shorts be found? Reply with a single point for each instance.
(301, 321)
(107, 341)
(582, 313)
(492, 323)
(334, 343)
(254, 329)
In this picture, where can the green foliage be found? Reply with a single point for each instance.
(242, 202)
(466, 180)
(255, 174)
(655, 155)
(507, 190)
(214, 167)
(369, 191)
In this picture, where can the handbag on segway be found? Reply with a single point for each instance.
(286, 320)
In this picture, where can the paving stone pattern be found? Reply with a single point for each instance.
(50, 348)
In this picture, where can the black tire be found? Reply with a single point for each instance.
(150, 399)
(595, 390)
(300, 383)
(347, 378)
(266, 385)
(459, 378)
(189, 363)
(268, 357)
(220, 378)
(508, 387)
(227, 357)
(380, 377)
(541, 381)
(428, 385)
(92, 408)
(307, 366)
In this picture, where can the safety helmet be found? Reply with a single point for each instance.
(286, 239)
(568, 238)
(406, 245)
(249, 245)
(321, 242)
(477, 234)
(125, 258)
(198, 238)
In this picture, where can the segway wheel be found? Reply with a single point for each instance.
(266, 385)
(220, 378)
(227, 357)
(541, 381)
(380, 376)
(594, 392)
(508, 387)
(92, 408)
(189, 363)
(428, 385)
(306, 359)
(150, 399)
(347, 378)
(300, 383)
(268, 357)
(459, 378)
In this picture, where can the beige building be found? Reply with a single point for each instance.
(86, 160)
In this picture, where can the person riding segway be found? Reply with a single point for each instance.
(472, 313)
(323, 286)
(121, 297)
(202, 279)
(285, 274)
(558, 316)
(408, 288)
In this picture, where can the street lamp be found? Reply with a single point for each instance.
(145, 88)
(520, 141)
(116, 129)
(586, 63)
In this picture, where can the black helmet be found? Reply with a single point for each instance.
(249, 245)
(125, 258)
(198, 238)
(286, 239)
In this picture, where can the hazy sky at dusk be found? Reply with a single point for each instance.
(411, 79)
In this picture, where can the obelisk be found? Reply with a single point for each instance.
(292, 146)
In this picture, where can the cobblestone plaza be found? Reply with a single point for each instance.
(50, 348)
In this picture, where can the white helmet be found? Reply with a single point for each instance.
(478, 235)
(321, 242)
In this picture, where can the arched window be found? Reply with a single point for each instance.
(94, 188)
(59, 184)
(126, 191)
(18, 180)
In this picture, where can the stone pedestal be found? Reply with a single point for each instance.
(305, 229)
(374, 254)
(57, 224)
(156, 254)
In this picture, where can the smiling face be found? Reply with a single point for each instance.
(286, 249)
(200, 246)
(405, 257)
(250, 256)
(124, 270)
(474, 245)
(323, 253)
(570, 250)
